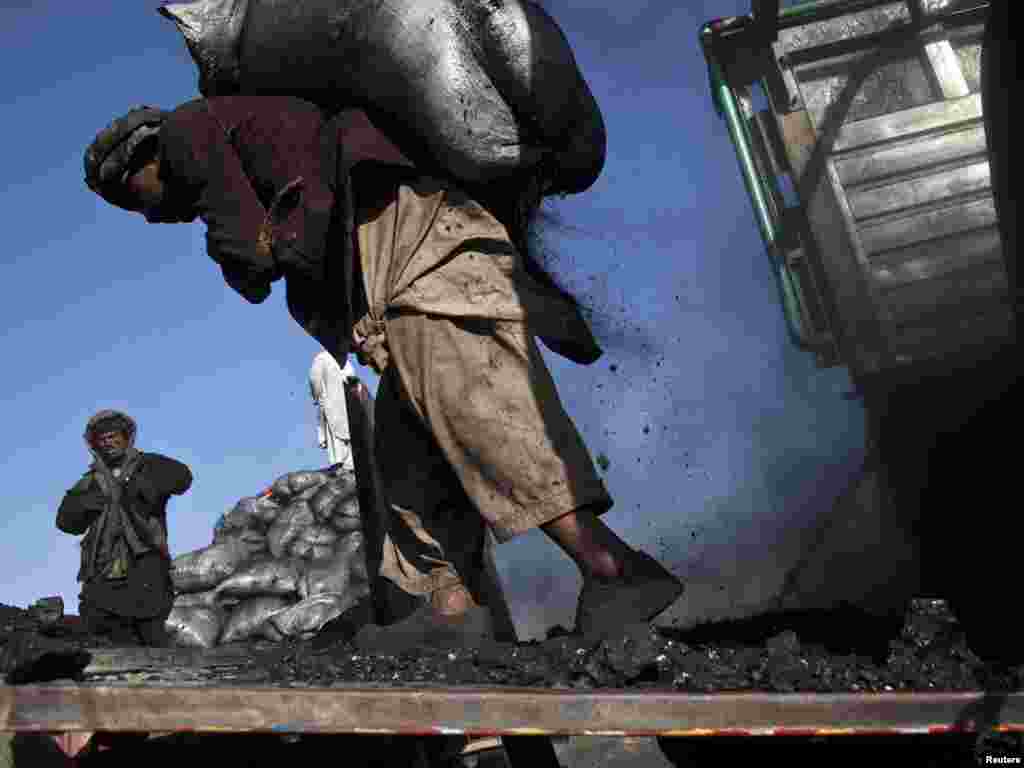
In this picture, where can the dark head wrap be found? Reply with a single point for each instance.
(111, 152)
(110, 421)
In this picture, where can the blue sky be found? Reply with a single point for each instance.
(744, 437)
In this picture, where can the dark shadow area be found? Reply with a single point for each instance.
(252, 751)
(927, 751)
(38, 750)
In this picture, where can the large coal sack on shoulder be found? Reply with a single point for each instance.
(483, 90)
(205, 568)
(195, 626)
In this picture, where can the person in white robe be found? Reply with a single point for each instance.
(327, 386)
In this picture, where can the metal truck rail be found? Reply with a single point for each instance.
(868, 172)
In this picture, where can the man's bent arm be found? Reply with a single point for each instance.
(170, 477)
(80, 507)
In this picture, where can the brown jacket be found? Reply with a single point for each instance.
(228, 159)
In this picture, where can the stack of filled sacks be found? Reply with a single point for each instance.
(281, 565)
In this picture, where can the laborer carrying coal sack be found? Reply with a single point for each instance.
(120, 504)
(425, 274)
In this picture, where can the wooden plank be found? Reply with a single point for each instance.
(938, 258)
(938, 221)
(934, 187)
(870, 20)
(966, 292)
(490, 712)
(917, 120)
(907, 156)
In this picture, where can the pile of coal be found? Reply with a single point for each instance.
(46, 616)
(32, 657)
(840, 651)
(40, 643)
(14, 619)
(281, 565)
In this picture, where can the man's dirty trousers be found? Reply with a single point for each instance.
(470, 431)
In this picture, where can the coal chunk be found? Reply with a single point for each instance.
(28, 657)
(627, 655)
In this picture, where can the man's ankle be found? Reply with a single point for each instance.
(452, 601)
(603, 567)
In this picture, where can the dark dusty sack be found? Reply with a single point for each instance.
(249, 617)
(345, 570)
(262, 577)
(253, 541)
(307, 617)
(210, 598)
(205, 568)
(322, 535)
(294, 483)
(301, 550)
(482, 90)
(288, 527)
(196, 626)
(329, 496)
(252, 512)
(347, 514)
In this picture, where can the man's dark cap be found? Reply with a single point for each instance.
(110, 152)
(110, 421)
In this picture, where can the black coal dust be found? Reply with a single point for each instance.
(838, 651)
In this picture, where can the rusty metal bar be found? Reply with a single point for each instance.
(497, 712)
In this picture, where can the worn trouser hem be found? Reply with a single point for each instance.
(426, 583)
(555, 506)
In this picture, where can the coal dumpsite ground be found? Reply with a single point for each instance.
(838, 651)
(823, 652)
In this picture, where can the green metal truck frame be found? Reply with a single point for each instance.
(887, 251)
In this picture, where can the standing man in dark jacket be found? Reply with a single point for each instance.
(430, 287)
(120, 504)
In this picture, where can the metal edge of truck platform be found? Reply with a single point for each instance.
(499, 711)
(882, 266)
